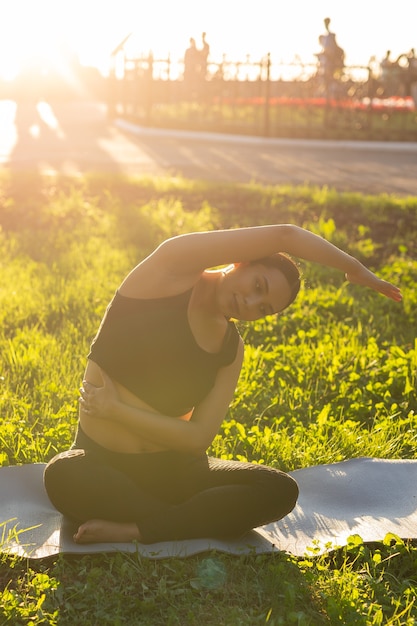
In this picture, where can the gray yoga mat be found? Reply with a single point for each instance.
(366, 496)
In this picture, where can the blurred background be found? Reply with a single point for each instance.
(265, 68)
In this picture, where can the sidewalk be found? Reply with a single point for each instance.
(142, 131)
(74, 138)
(366, 167)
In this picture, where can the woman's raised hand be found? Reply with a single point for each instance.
(362, 276)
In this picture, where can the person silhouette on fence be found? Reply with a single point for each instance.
(412, 75)
(191, 65)
(392, 76)
(204, 53)
(407, 74)
(332, 56)
(195, 66)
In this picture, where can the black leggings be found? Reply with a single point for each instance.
(169, 495)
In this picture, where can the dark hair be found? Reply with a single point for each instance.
(288, 267)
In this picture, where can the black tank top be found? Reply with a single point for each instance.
(148, 347)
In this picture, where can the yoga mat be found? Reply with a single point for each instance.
(366, 496)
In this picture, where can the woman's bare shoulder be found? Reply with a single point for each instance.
(154, 278)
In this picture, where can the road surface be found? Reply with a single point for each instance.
(77, 137)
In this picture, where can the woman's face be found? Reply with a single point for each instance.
(250, 291)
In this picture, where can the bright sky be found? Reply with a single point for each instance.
(92, 28)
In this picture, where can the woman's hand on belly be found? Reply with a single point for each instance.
(101, 427)
(99, 401)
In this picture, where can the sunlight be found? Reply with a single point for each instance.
(7, 129)
(47, 36)
(33, 40)
(45, 117)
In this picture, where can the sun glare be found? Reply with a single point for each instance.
(33, 38)
(49, 35)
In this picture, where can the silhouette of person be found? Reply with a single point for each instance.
(191, 62)
(204, 53)
(332, 56)
(407, 70)
(390, 75)
(412, 75)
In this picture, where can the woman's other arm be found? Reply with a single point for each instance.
(194, 435)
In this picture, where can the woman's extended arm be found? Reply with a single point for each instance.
(194, 435)
(188, 255)
(306, 245)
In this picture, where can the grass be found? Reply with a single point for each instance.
(301, 120)
(333, 378)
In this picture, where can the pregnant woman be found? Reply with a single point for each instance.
(160, 375)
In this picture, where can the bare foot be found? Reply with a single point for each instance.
(103, 531)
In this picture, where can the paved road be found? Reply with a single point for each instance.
(77, 137)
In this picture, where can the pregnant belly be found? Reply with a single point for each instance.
(112, 435)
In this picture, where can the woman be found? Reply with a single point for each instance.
(161, 373)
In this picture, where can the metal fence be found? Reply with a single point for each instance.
(265, 98)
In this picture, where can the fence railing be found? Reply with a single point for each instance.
(264, 98)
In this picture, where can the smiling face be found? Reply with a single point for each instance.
(252, 290)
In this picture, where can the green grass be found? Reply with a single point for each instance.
(332, 378)
(284, 120)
